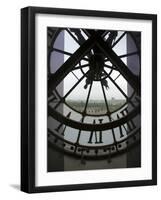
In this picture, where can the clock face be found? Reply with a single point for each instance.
(93, 92)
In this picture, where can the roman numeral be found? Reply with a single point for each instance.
(79, 132)
(128, 126)
(96, 135)
(60, 127)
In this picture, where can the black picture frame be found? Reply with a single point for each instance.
(28, 91)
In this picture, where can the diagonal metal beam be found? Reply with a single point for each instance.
(90, 32)
(116, 61)
(61, 73)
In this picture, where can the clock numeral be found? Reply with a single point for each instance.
(79, 132)
(61, 125)
(96, 135)
(129, 126)
(120, 128)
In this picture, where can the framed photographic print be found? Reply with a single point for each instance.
(88, 99)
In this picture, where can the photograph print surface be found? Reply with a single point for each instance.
(94, 99)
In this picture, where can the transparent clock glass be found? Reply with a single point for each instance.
(93, 99)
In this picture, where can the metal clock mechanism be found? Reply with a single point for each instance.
(93, 130)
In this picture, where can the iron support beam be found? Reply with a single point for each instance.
(117, 62)
(62, 72)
